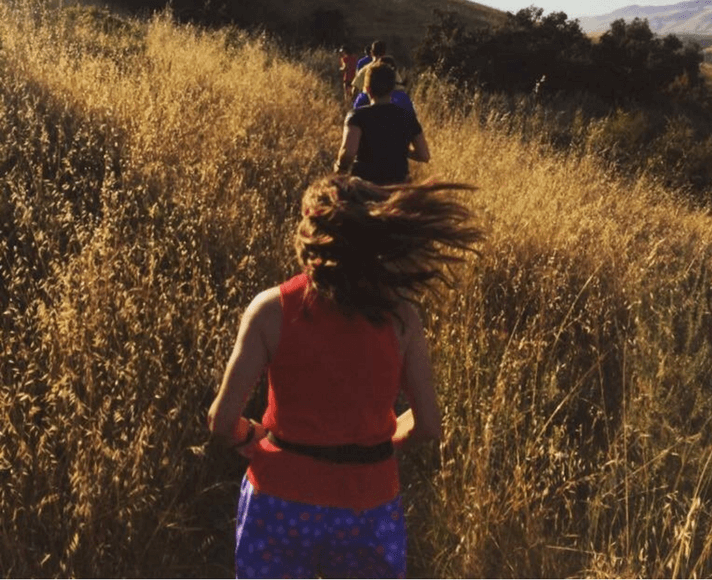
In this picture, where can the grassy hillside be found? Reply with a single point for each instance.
(151, 176)
(401, 24)
(407, 20)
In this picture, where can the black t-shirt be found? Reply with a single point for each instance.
(386, 132)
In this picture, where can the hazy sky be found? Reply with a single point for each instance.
(574, 8)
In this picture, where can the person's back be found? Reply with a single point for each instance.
(345, 369)
(386, 133)
(333, 381)
(379, 139)
(347, 66)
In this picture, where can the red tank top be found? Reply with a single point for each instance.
(333, 381)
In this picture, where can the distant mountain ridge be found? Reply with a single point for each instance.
(682, 18)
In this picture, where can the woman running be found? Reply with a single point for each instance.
(339, 342)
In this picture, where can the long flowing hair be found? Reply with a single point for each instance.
(367, 247)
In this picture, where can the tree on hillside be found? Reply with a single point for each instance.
(511, 58)
(444, 40)
(628, 62)
(631, 61)
(326, 27)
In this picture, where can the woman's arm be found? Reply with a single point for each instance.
(349, 148)
(422, 421)
(419, 150)
(256, 343)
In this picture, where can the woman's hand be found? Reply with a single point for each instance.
(249, 449)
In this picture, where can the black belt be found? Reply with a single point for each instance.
(351, 453)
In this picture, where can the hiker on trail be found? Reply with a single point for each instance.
(379, 139)
(378, 51)
(321, 496)
(347, 66)
(364, 60)
(398, 97)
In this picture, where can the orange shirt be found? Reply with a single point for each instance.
(348, 66)
(333, 381)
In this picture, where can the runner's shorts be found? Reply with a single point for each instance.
(286, 539)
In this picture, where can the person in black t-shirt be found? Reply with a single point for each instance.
(379, 139)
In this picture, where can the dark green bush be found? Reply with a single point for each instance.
(552, 54)
(634, 99)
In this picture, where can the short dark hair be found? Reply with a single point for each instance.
(380, 79)
(378, 48)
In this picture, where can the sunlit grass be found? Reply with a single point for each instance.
(151, 175)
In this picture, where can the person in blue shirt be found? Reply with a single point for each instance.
(398, 96)
(364, 60)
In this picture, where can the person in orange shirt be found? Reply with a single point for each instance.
(347, 66)
(321, 496)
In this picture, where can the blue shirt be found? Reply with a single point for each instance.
(363, 62)
(399, 98)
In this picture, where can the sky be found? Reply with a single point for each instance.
(573, 8)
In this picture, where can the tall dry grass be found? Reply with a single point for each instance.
(151, 174)
(150, 181)
(574, 364)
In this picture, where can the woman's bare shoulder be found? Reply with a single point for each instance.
(266, 307)
(266, 301)
(265, 314)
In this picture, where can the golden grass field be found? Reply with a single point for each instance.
(151, 176)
